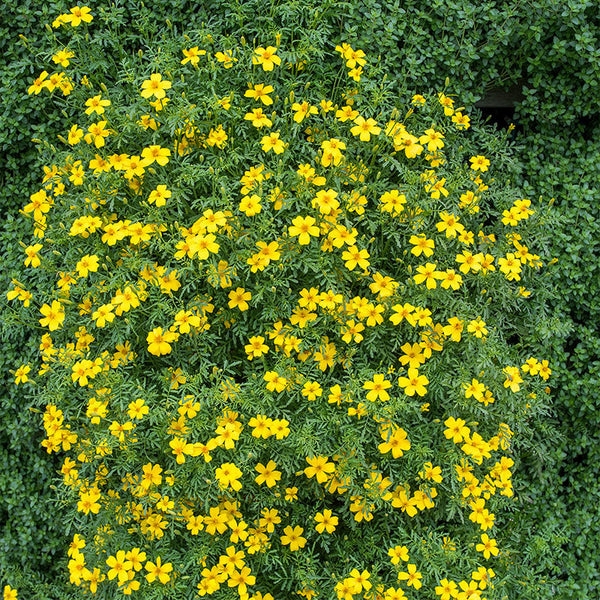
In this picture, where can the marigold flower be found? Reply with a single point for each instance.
(158, 571)
(21, 374)
(479, 163)
(267, 474)
(326, 521)
(53, 316)
(260, 92)
(365, 128)
(413, 383)
(487, 546)
(377, 388)
(159, 341)
(319, 467)
(256, 347)
(155, 87)
(272, 142)
(266, 57)
(192, 55)
(303, 228)
(292, 537)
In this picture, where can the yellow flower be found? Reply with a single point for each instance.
(355, 73)
(159, 341)
(39, 83)
(21, 374)
(412, 578)
(377, 388)
(428, 274)
(256, 347)
(477, 328)
(156, 153)
(304, 228)
(326, 201)
(238, 298)
(260, 92)
(354, 257)
(226, 59)
(159, 196)
(158, 571)
(266, 57)
(326, 105)
(365, 128)
(346, 113)
(77, 16)
(488, 546)
(302, 110)
(192, 55)
(228, 475)
(319, 467)
(479, 163)
(431, 472)
(312, 390)
(436, 188)
(446, 590)
(62, 57)
(414, 383)
(267, 474)
(119, 565)
(33, 258)
(292, 537)
(433, 139)
(326, 521)
(272, 142)
(398, 553)
(137, 409)
(450, 224)
(88, 502)
(87, 264)
(86, 369)
(354, 57)
(53, 316)
(352, 331)
(394, 440)
(462, 121)
(258, 118)
(422, 245)
(96, 134)
(392, 202)
(250, 205)
(513, 378)
(155, 87)
(241, 579)
(96, 104)
(217, 137)
(474, 389)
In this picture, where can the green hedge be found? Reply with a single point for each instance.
(564, 166)
(550, 47)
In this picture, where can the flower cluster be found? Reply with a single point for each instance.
(274, 343)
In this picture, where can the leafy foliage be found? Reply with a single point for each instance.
(548, 48)
(222, 268)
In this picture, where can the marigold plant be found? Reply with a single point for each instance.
(281, 319)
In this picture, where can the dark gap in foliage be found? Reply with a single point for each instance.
(589, 126)
(514, 339)
(501, 116)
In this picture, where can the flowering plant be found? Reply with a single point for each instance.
(279, 313)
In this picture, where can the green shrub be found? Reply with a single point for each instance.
(550, 47)
(29, 543)
(256, 289)
(564, 168)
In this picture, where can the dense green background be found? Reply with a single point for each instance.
(549, 48)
